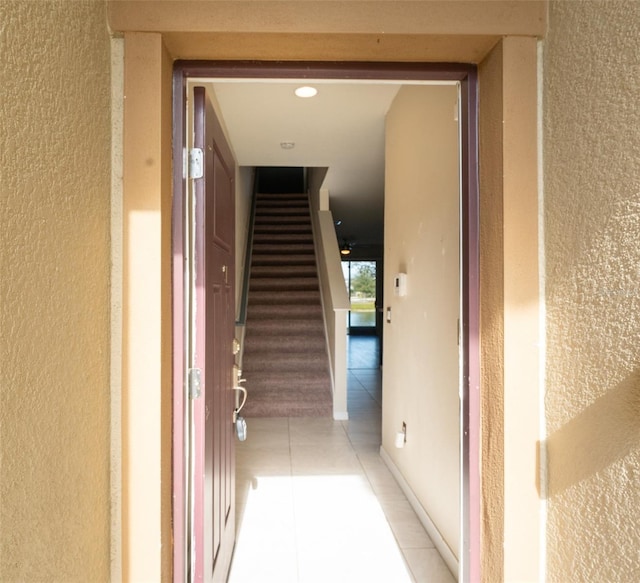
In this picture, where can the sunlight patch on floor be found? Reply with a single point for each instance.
(310, 529)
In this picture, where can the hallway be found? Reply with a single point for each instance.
(316, 503)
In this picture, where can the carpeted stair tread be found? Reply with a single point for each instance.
(283, 238)
(280, 266)
(283, 250)
(282, 219)
(283, 343)
(283, 271)
(285, 297)
(286, 410)
(281, 311)
(292, 402)
(268, 196)
(288, 381)
(273, 229)
(293, 327)
(293, 209)
(293, 397)
(269, 212)
(273, 259)
(294, 407)
(275, 283)
(291, 362)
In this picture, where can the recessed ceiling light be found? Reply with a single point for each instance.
(287, 145)
(306, 91)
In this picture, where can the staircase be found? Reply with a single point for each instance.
(285, 357)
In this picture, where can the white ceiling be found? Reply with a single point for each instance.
(341, 128)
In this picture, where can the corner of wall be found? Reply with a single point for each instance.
(510, 312)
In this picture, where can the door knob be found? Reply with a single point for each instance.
(238, 420)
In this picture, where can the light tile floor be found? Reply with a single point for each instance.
(316, 503)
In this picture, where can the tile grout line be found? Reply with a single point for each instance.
(393, 533)
(377, 404)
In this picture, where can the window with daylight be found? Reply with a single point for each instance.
(360, 277)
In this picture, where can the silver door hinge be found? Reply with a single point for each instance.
(196, 163)
(195, 383)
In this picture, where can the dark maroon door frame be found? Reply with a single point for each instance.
(467, 76)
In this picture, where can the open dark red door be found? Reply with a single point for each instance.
(213, 510)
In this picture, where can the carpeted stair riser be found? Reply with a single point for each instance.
(283, 271)
(293, 410)
(284, 248)
(260, 249)
(267, 196)
(283, 239)
(281, 312)
(271, 259)
(288, 362)
(287, 230)
(288, 383)
(285, 357)
(298, 405)
(303, 397)
(275, 284)
(276, 213)
(282, 219)
(284, 343)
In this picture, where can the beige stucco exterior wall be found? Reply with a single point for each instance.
(54, 292)
(592, 227)
(345, 31)
(55, 215)
(492, 316)
(421, 354)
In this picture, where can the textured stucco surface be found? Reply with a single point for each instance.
(54, 292)
(592, 229)
(492, 316)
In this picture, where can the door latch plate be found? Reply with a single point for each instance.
(195, 383)
(196, 163)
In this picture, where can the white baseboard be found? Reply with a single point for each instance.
(439, 542)
(340, 416)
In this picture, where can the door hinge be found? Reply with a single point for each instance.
(196, 163)
(195, 383)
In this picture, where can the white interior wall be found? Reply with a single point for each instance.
(421, 356)
(244, 195)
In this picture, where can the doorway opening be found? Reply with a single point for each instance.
(362, 283)
(466, 77)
